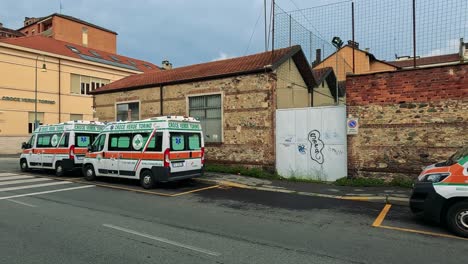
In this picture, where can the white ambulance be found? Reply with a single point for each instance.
(60, 147)
(159, 149)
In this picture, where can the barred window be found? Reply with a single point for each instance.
(207, 109)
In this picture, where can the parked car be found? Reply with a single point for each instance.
(159, 149)
(441, 193)
(60, 147)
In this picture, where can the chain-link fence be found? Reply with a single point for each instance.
(389, 29)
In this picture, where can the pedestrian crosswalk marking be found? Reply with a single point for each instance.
(23, 181)
(44, 192)
(6, 174)
(33, 186)
(14, 178)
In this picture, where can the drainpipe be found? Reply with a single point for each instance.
(161, 100)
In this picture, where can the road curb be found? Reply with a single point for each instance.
(404, 201)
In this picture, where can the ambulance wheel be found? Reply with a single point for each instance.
(24, 165)
(88, 172)
(59, 171)
(147, 180)
(457, 218)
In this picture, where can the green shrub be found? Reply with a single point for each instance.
(402, 182)
(240, 170)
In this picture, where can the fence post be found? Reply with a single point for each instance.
(414, 33)
(290, 33)
(352, 31)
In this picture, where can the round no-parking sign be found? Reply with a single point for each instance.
(352, 126)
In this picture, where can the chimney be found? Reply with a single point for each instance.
(318, 57)
(353, 44)
(29, 20)
(463, 51)
(166, 65)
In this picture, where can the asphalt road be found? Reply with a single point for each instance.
(76, 223)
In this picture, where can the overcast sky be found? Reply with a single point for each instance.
(185, 32)
(195, 31)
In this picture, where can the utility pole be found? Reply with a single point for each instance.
(414, 33)
(265, 15)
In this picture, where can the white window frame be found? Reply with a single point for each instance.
(187, 110)
(101, 83)
(127, 102)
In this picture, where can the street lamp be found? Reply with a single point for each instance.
(43, 69)
(337, 42)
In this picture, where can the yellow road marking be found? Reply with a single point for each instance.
(125, 188)
(197, 190)
(421, 232)
(378, 221)
(130, 189)
(234, 184)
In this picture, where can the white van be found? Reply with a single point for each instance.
(159, 149)
(60, 147)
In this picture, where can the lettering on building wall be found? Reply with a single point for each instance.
(26, 100)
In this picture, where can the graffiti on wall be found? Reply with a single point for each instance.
(316, 146)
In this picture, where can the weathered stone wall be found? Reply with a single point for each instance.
(408, 119)
(248, 114)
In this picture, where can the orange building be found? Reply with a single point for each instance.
(72, 30)
(342, 62)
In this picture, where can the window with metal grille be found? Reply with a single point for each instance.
(128, 112)
(207, 109)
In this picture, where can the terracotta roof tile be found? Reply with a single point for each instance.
(203, 71)
(59, 47)
(427, 60)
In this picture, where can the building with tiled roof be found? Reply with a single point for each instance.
(349, 59)
(325, 92)
(54, 79)
(429, 61)
(9, 33)
(71, 29)
(67, 49)
(235, 100)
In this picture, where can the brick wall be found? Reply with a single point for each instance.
(408, 119)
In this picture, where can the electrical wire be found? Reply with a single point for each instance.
(253, 32)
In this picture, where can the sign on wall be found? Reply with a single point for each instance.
(27, 100)
(352, 126)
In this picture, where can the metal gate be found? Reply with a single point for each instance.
(311, 143)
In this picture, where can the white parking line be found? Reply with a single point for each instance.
(44, 192)
(163, 240)
(18, 202)
(15, 178)
(33, 186)
(5, 174)
(23, 181)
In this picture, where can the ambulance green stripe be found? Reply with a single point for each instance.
(450, 183)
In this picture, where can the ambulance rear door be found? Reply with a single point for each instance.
(185, 151)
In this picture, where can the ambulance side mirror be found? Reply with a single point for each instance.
(25, 145)
(90, 148)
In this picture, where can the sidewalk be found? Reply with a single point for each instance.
(388, 194)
